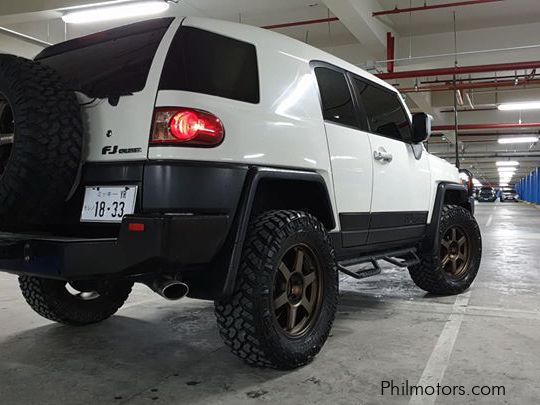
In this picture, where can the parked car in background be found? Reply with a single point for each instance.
(509, 194)
(487, 194)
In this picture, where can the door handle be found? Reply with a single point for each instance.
(382, 155)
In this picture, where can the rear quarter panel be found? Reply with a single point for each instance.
(285, 129)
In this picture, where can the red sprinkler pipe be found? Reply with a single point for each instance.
(299, 23)
(390, 51)
(470, 127)
(432, 7)
(463, 70)
(469, 86)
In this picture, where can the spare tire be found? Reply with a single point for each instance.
(41, 137)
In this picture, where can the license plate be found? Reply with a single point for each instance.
(108, 204)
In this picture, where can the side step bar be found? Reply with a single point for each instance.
(401, 258)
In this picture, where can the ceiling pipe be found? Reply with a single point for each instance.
(433, 7)
(468, 86)
(460, 70)
(300, 23)
(472, 127)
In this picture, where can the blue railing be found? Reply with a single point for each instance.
(528, 188)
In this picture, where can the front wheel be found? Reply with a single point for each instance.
(286, 294)
(77, 303)
(452, 266)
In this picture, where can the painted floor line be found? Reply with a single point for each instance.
(489, 221)
(440, 357)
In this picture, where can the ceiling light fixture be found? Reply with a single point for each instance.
(503, 163)
(120, 11)
(506, 169)
(528, 105)
(519, 139)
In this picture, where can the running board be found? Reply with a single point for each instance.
(363, 273)
(401, 258)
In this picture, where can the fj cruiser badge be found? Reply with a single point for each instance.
(113, 150)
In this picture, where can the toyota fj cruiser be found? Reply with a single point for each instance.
(226, 163)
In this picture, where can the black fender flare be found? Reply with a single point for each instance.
(245, 209)
(432, 231)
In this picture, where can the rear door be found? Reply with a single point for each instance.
(350, 154)
(401, 176)
(118, 71)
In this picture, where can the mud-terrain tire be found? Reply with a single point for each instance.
(54, 301)
(451, 267)
(288, 262)
(40, 162)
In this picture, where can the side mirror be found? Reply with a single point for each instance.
(421, 127)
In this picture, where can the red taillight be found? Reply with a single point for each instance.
(186, 127)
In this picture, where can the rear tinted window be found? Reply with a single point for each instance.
(202, 62)
(384, 111)
(337, 103)
(109, 63)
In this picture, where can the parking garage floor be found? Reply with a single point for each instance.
(154, 351)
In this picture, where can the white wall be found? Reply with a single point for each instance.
(18, 47)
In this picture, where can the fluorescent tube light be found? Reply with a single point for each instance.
(528, 105)
(506, 169)
(121, 11)
(519, 139)
(507, 163)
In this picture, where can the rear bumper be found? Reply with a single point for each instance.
(167, 241)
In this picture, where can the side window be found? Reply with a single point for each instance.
(337, 103)
(384, 111)
(203, 62)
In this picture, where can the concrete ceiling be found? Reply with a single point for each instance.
(504, 13)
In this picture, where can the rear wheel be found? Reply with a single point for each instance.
(286, 293)
(451, 267)
(77, 303)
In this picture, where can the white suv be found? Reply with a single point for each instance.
(224, 162)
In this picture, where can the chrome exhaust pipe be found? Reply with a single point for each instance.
(168, 288)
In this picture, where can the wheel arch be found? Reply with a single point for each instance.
(306, 191)
(447, 193)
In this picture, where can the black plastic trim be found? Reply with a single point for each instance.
(396, 234)
(188, 187)
(352, 221)
(254, 177)
(431, 239)
(168, 242)
(397, 219)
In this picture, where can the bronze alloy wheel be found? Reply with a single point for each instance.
(455, 252)
(297, 291)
